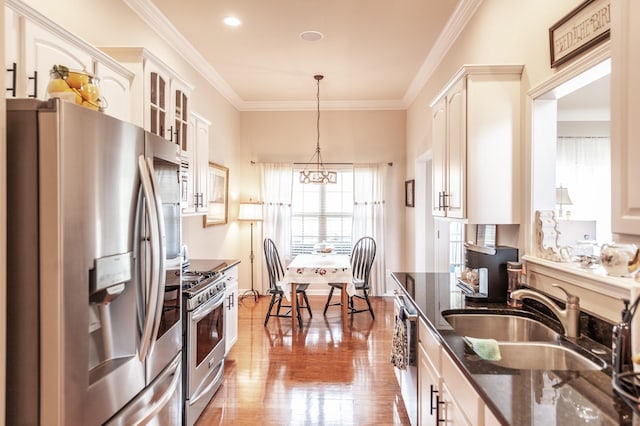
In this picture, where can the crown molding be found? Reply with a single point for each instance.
(156, 20)
(453, 28)
(326, 105)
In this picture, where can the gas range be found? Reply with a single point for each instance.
(200, 286)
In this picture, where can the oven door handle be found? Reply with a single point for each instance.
(411, 313)
(204, 310)
(202, 392)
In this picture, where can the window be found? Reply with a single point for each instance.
(322, 212)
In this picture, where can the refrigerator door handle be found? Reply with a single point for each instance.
(149, 404)
(156, 406)
(161, 255)
(150, 311)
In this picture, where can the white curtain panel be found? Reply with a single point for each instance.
(583, 166)
(368, 216)
(276, 196)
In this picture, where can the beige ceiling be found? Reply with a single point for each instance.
(374, 52)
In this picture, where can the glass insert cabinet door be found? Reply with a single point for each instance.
(157, 104)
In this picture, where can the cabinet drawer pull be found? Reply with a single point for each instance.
(433, 407)
(438, 403)
(12, 89)
(35, 85)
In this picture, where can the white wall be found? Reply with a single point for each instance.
(345, 136)
(501, 32)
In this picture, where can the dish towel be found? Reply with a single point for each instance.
(487, 349)
(399, 350)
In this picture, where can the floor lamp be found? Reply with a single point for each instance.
(251, 212)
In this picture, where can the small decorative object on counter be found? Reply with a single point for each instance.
(619, 260)
(514, 273)
(547, 235)
(78, 87)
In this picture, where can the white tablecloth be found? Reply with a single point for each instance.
(322, 269)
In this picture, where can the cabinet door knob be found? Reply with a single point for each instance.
(12, 89)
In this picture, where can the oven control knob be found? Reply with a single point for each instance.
(200, 298)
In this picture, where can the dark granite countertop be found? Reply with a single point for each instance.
(213, 265)
(516, 397)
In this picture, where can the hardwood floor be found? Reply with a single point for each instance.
(317, 375)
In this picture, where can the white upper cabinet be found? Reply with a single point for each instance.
(160, 98)
(625, 125)
(196, 154)
(11, 29)
(43, 49)
(180, 125)
(34, 44)
(115, 88)
(476, 145)
(449, 150)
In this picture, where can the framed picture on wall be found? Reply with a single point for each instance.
(580, 30)
(409, 193)
(217, 195)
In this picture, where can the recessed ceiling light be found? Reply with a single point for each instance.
(232, 21)
(311, 35)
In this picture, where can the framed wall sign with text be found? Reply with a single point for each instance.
(584, 27)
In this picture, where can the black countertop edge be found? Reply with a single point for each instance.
(434, 293)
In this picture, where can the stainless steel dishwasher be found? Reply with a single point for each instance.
(408, 378)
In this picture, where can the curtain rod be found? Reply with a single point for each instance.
(390, 163)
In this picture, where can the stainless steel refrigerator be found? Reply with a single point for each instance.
(93, 229)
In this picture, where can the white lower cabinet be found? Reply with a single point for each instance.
(231, 305)
(451, 412)
(462, 404)
(429, 382)
(444, 393)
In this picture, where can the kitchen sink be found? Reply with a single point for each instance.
(501, 327)
(546, 356)
(525, 343)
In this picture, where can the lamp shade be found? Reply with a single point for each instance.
(250, 211)
(562, 196)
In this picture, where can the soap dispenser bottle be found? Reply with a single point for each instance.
(621, 342)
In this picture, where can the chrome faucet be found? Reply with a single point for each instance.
(569, 317)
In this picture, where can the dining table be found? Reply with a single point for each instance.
(318, 269)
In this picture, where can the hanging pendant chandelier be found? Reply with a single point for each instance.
(320, 174)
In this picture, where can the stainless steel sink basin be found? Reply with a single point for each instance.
(525, 343)
(546, 356)
(501, 327)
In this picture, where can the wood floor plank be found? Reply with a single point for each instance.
(322, 374)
